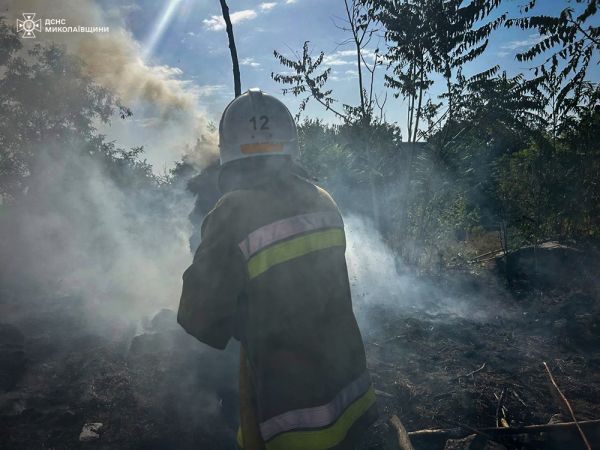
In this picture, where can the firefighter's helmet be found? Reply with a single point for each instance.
(256, 124)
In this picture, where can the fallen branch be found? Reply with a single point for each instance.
(568, 405)
(477, 431)
(431, 438)
(403, 439)
(483, 255)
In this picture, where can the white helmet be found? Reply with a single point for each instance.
(256, 124)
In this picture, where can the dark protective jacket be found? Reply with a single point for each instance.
(270, 270)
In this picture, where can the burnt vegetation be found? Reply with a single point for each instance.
(486, 199)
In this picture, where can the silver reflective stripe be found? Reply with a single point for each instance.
(318, 416)
(283, 229)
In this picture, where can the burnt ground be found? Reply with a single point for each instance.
(436, 373)
(153, 387)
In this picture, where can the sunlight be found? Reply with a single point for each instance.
(159, 28)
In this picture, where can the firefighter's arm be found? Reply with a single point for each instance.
(212, 284)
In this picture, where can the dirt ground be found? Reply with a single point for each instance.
(153, 387)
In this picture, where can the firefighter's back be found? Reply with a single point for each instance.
(295, 315)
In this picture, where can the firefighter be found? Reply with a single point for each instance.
(270, 271)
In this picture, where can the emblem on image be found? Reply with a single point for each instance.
(29, 25)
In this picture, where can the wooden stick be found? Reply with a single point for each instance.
(561, 432)
(500, 431)
(489, 437)
(403, 439)
(494, 252)
(568, 405)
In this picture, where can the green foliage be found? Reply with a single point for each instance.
(492, 168)
(9, 40)
(49, 109)
(340, 153)
(304, 81)
(567, 44)
(550, 190)
(510, 155)
(429, 37)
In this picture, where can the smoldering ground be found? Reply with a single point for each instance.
(95, 274)
(92, 261)
(100, 266)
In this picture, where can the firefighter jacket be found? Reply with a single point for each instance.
(271, 271)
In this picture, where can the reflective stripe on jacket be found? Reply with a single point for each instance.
(271, 271)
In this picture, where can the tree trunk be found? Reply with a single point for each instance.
(237, 85)
(419, 105)
(357, 44)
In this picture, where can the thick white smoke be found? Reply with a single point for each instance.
(379, 278)
(121, 251)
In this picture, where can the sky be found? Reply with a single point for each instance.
(196, 41)
(185, 41)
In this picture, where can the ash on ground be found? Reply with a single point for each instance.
(155, 387)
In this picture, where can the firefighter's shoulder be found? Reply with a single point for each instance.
(229, 206)
(234, 200)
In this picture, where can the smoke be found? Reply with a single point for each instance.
(379, 279)
(114, 60)
(81, 230)
(121, 250)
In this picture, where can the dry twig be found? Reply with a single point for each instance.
(568, 405)
(477, 431)
(500, 410)
(433, 438)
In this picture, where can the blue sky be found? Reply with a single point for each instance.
(195, 41)
(188, 36)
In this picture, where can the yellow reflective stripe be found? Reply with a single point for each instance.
(326, 437)
(239, 438)
(294, 248)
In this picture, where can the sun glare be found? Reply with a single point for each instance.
(159, 28)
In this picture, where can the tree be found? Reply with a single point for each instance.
(359, 23)
(431, 36)
(60, 123)
(568, 44)
(426, 37)
(305, 81)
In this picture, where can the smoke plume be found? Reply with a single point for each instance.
(114, 60)
(379, 278)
